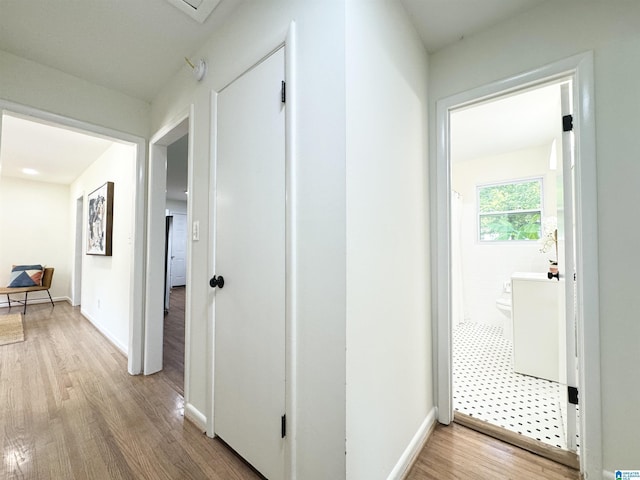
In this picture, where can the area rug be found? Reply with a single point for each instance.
(11, 330)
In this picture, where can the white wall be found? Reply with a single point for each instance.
(486, 266)
(106, 281)
(175, 206)
(389, 381)
(317, 420)
(31, 88)
(28, 83)
(553, 31)
(35, 228)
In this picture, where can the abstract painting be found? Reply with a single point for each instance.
(100, 220)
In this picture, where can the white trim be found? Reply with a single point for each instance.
(289, 45)
(195, 416)
(588, 326)
(105, 333)
(581, 68)
(138, 279)
(607, 475)
(20, 306)
(136, 310)
(154, 307)
(78, 252)
(291, 252)
(211, 322)
(406, 460)
(186, 383)
(171, 131)
(441, 259)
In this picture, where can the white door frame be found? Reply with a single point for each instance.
(580, 68)
(156, 233)
(136, 309)
(76, 284)
(289, 44)
(168, 246)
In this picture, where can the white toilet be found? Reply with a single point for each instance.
(503, 304)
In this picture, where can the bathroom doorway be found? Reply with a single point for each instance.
(508, 242)
(581, 287)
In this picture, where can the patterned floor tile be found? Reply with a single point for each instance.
(486, 387)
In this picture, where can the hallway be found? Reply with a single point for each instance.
(70, 410)
(458, 452)
(173, 340)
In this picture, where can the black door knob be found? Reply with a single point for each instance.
(217, 281)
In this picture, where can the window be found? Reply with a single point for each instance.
(510, 211)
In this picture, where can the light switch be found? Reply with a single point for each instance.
(196, 230)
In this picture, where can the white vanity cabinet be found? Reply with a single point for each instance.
(538, 325)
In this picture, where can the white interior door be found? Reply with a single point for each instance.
(179, 250)
(567, 269)
(249, 372)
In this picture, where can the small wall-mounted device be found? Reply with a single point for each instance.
(195, 232)
(199, 68)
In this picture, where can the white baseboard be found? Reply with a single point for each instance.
(116, 343)
(405, 462)
(607, 475)
(196, 417)
(32, 301)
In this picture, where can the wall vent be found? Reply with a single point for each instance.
(199, 10)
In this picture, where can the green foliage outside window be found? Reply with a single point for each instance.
(510, 211)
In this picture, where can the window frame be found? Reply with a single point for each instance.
(537, 178)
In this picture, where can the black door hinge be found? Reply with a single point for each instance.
(573, 395)
(567, 123)
(283, 426)
(283, 92)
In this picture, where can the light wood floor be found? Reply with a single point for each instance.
(456, 452)
(173, 340)
(69, 410)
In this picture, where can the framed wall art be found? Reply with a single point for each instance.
(100, 220)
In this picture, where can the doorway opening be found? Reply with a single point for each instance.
(508, 310)
(576, 226)
(66, 160)
(168, 247)
(176, 241)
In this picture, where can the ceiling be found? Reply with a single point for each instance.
(136, 46)
(54, 154)
(528, 119)
(442, 22)
(132, 46)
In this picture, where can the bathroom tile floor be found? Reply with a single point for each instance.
(486, 387)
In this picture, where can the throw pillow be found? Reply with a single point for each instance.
(26, 276)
